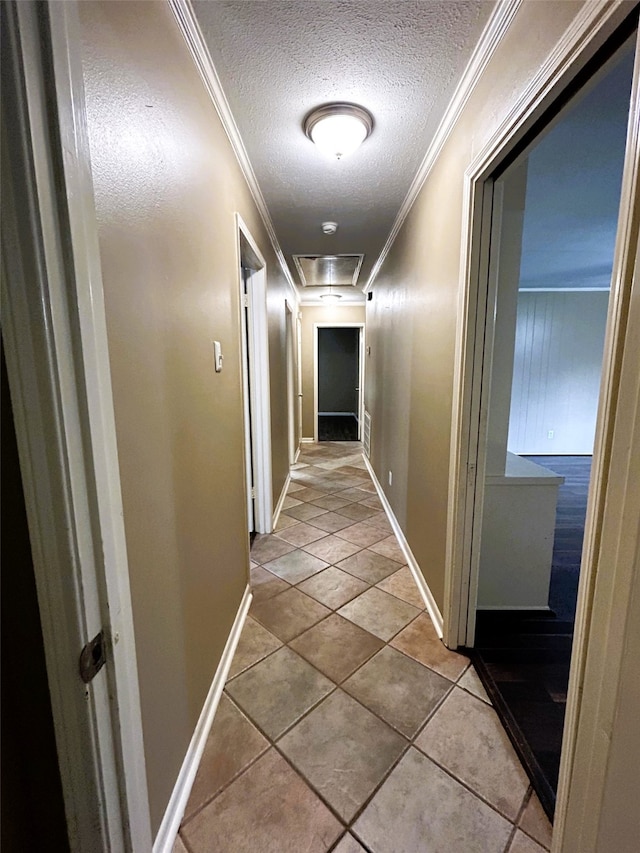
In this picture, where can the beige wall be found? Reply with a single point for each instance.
(411, 321)
(319, 314)
(167, 188)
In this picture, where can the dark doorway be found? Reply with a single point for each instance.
(33, 816)
(338, 383)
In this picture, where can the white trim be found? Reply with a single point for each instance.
(427, 596)
(593, 24)
(297, 456)
(491, 37)
(328, 325)
(283, 495)
(307, 441)
(258, 346)
(610, 551)
(170, 825)
(192, 34)
(366, 434)
(338, 415)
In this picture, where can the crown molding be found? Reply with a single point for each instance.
(596, 19)
(491, 37)
(192, 34)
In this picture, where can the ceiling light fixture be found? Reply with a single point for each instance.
(330, 296)
(338, 129)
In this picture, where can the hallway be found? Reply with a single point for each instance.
(338, 654)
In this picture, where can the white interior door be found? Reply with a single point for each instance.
(291, 382)
(256, 384)
(56, 347)
(298, 345)
(249, 443)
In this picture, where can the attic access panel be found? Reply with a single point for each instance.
(325, 270)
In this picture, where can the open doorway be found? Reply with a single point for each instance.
(338, 382)
(29, 754)
(553, 223)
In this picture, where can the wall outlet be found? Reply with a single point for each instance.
(550, 434)
(390, 478)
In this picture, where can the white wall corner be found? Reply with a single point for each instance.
(170, 825)
(427, 596)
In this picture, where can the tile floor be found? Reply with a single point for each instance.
(345, 724)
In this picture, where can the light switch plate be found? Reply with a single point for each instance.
(218, 358)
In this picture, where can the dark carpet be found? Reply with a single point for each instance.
(523, 658)
(337, 428)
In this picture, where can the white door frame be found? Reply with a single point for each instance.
(290, 343)
(56, 347)
(593, 26)
(360, 389)
(257, 341)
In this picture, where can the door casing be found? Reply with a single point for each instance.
(469, 418)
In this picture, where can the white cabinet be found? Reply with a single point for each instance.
(517, 536)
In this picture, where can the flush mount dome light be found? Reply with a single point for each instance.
(331, 295)
(338, 129)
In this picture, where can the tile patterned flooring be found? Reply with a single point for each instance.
(345, 724)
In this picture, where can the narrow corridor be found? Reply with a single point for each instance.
(345, 723)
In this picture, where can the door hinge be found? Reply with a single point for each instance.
(245, 300)
(92, 658)
(253, 493)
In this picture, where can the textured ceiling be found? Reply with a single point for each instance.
(278, 60)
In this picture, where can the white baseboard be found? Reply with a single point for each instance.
(283, 494)
(429, 601)
(307, 441)
(297, 455)
(170, 825)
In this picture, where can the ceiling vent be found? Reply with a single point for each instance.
(325, 270)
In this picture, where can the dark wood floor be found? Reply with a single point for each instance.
(337, 428)
(523, 659)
